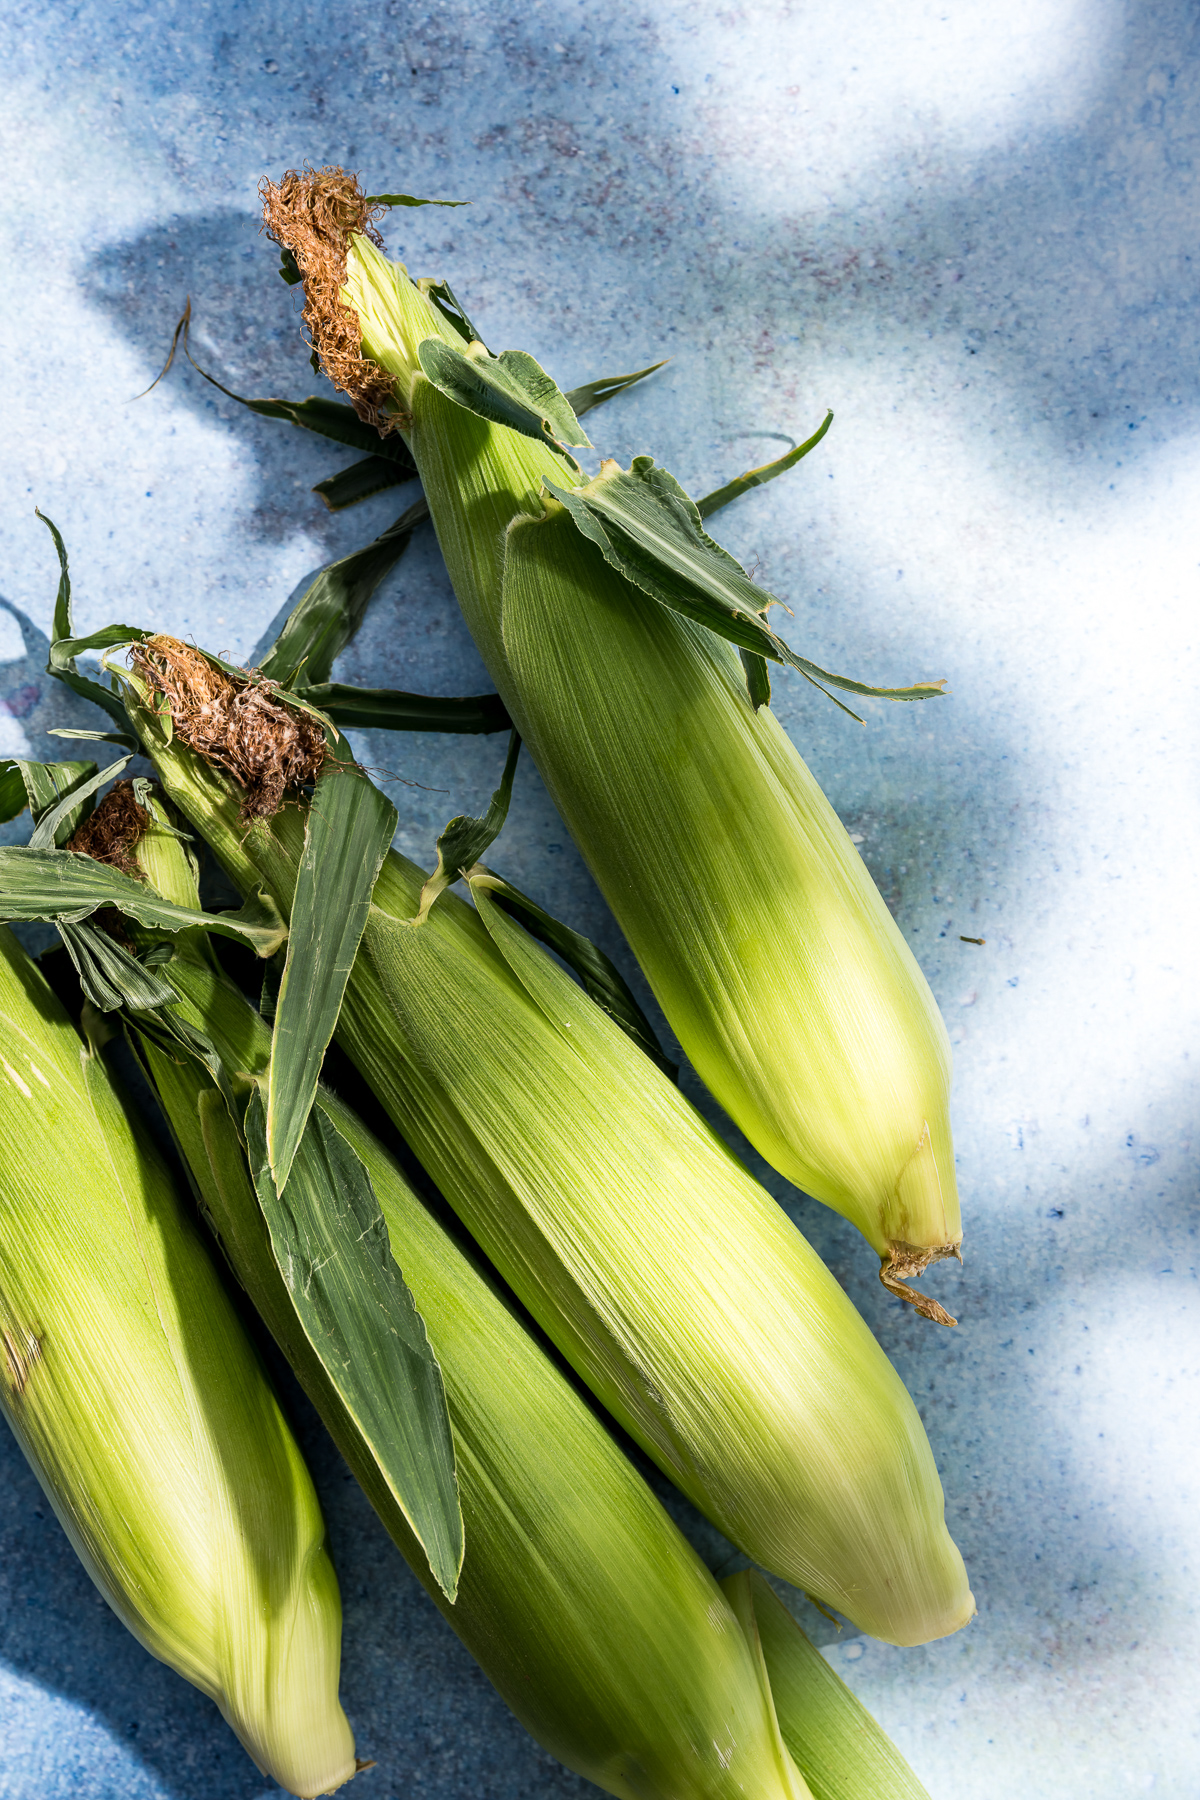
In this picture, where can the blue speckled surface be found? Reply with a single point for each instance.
(972, 231)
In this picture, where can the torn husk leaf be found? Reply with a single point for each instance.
(768, 946)
(677, 1288)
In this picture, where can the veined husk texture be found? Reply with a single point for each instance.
(144, 1410)
(841, 1751)
(669, 1279)
(767, 944)
(582, 1602)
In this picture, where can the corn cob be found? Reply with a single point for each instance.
(583, 1603)
(144, 1411)
(767, 945)
(667, 1277)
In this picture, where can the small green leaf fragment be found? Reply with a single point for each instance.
(510, 389)
(409, 200)
(442, 295)
(465, 839)
(13, 796)
(331, 1245)
(391, 709)
(758, 477)
(349, 827)
(96, 737)
(758, 678)
(595, 393)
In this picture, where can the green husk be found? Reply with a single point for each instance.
(767, 944)
(580, 1599)
(143, 1410)
(667, 1277)
(327, 1241)
(837, 1745)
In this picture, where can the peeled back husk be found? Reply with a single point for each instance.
(144, 1411)
(671, 1281)
(767, 944)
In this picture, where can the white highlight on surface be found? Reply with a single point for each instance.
(836, 96)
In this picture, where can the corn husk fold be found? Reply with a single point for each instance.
(674, 1285)
(144, 1411)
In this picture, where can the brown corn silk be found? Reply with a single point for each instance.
(110, 833)
(239, 725)
(313, 213)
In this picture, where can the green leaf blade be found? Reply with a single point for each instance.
(48, 784)
(358, 482)
(59, 821)
(758, 678)
(595, 393)
(349, 827)
(331, 1245)
(753, 478)
(649, 529)
(64, 646)
(57, 885)
(13, 796)
(465, 839)
(510, 389)
(601, 978)
(409, 200)
(644, 533)
(330, 611)
(391, 709)
(331, 419)
(109, 976)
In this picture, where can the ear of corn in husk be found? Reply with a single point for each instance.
(580, 1599)
(767, 944)
(670, 1280)
(142, 1407)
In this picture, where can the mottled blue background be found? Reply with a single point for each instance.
(972, 231)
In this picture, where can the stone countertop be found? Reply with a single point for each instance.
(972, 233)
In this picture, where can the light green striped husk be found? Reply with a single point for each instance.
(582, 1602)
(766, 942)
(143, 1409)
(842, 1752)
(670, 1280)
